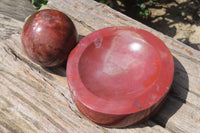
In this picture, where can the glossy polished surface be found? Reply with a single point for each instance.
(48, 36)
(118, 72)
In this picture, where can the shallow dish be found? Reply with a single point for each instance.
(119, 76)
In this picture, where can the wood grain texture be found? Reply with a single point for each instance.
(18, 9)
(34, 99)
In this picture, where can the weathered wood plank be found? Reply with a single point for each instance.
(19, 9)
(39, 100)
(79, 11)
(35, 100)
(186, 83)
(8, 26)
(186, 119)
(95, 16)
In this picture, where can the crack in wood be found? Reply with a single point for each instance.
(29, 63)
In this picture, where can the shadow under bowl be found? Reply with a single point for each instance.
(119, 76)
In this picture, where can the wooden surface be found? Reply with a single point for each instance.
(18, 9)
(35, 99)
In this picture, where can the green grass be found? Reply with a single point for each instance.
(137, 8)
(39, 3)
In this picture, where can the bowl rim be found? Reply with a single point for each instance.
(141, 102)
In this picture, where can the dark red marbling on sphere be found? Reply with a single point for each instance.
(48, 36)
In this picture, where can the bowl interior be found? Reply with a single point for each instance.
(119, 66)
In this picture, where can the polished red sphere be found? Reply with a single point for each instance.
(48, 36)
(119, 76)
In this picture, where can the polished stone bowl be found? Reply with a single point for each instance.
(119, 76)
